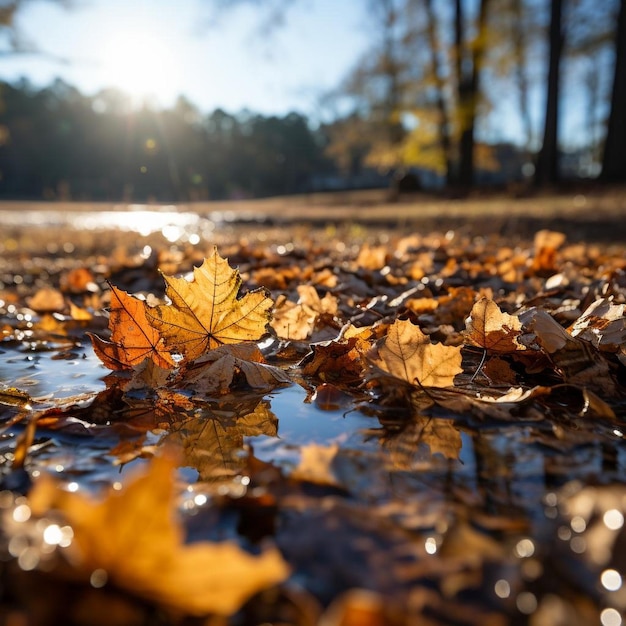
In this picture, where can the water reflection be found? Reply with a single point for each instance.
(174, 224)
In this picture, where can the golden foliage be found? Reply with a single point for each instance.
(408, 354)
(205, 313)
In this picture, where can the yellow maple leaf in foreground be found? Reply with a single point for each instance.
(133, 536)
(205, 313)
(407, 353)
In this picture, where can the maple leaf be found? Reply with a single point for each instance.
(205, 313)
(134, 538)
(408, 354)
(133, 339)
(489, 328)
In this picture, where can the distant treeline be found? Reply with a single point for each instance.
(57, 143)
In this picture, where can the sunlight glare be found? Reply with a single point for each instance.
(138, 62)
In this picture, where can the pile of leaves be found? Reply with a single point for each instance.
(436, 337)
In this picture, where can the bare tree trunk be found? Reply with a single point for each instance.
(547, 171)
(614, 159)
(444, 119)
(469, 90)
(519, 47)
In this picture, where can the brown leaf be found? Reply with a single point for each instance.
(489, 328)
(547, 243)
(342, 359)
(603, 324)
(213, 372)
(134, 537)
(407, 353)
(205, 313)
(133, 339)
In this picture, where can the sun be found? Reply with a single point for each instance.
(138, 62)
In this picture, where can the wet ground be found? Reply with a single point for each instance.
(389, 509)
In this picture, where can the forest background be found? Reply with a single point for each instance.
(415, 112)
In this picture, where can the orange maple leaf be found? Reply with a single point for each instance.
(133, 339)
(205, 313)
(407, 353)
(489, 328)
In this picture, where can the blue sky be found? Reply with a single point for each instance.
(166, 48)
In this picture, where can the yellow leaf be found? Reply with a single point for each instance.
(489, 328)
(205, 313)
(134, 537)
(407, 353)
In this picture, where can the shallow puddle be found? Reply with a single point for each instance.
(455, 516)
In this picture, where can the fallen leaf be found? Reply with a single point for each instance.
(205, 313)
(133, 339)
(296, 321)
(339, 360)
(547, 242)
(47, 300)
(603, 324)
(372, 257)
(408, 354)
(489, 328)
(213, 373)
(134, 537)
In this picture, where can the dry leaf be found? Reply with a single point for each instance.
(547, 242)
(407, 353)
(489, 328)
(135, 538)
(133, 339)
(339, 360)
(603, 325)
(205, 313)
(297, 321)
(548, 333)
(47, 300)
(213, 373)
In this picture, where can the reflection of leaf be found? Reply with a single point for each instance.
(132, 338)
(315, 464)
(133, 537)
(407, 353)
(440, 435)
(212, 443)
(213, 372)
(205, 313)
(489, 328)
